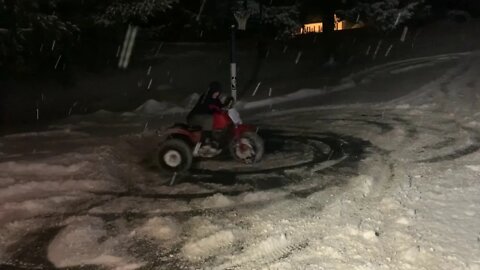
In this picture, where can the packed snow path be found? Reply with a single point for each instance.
(392, 185)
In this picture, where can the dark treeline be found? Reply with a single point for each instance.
(80, 32)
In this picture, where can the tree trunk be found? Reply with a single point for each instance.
(328, 30)
(329, 19)
(12, 32)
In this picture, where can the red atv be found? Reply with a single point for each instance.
(184, 142)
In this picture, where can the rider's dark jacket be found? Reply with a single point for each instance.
(206, 105)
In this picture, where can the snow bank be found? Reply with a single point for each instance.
(12, 167)
(406, 62)
(103, 113)
(154, 107)
(412, 67)
(12, 211)
(298, 95)
(49, 133)
(190, 101)
(30, 190)
(304, 93)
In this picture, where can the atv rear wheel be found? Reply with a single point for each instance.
(249, 148)
(174, 155)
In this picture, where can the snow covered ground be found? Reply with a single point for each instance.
(390, 184)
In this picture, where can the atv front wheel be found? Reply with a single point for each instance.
(174, 155)
(248, 148)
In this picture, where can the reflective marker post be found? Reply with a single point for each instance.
(233, 65)
(241, 17)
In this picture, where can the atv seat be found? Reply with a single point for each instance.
(188, 127)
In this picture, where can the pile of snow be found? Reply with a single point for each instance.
(190, 101)
(205, 238)
(251, 197)
(86, 241)
(215, 201)
(160, 228)
(208, 246)
(200, 227)
(154, 107)
(77, 243)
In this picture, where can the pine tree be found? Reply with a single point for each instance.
(26, 23)
(386, 15)
(133, 11)
(283, 20)
(29, 26)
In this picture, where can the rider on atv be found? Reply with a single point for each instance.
(213, 128)
(202, 113)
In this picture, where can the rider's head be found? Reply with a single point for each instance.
(214, 89)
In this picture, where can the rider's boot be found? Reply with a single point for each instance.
(210, 144)
(206, 137)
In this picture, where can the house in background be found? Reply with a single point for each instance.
(315, 25)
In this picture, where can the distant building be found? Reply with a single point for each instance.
(316, 26)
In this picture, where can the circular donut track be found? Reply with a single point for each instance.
(327, 150)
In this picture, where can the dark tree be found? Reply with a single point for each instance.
(28, 27)
(386, 15)
(25, 25)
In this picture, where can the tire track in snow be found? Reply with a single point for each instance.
(472, 147)
(264, 252)
(269, 253)
(260, 254)
(345, 148)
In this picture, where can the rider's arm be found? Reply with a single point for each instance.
(235, 116)
(214, 108)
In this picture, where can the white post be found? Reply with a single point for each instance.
(233, 82)
(233, 65)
